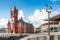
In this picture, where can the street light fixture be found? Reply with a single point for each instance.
(49, 11)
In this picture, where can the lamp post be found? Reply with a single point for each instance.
(49, 11)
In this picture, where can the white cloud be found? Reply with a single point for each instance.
(3, 23)
(20, 14)
(38, 16)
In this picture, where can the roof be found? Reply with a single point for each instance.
(14, 8)
(50, 23)
(55, 18)
(22, 21)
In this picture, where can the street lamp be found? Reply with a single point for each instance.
(49, 11)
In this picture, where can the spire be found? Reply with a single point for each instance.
(14, 6)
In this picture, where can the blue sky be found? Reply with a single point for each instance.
(27, 6)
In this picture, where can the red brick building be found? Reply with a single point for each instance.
(18, 26)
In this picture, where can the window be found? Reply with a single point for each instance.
(59, 29)
(12, 14)
(59, 23)
(55, 29)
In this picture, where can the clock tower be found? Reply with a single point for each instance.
(14, 19)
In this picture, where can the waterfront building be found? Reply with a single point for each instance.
(18, 26)
(54, 27)
(54, 24)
